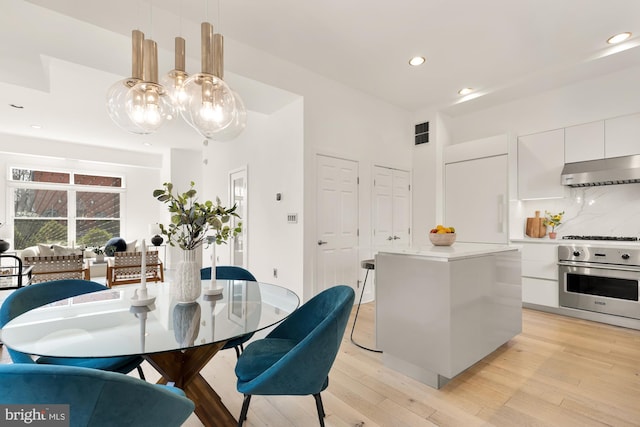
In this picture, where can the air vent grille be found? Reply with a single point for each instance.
(422, 133)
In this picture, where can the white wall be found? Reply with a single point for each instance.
(337, 121)
(141, 174)
(588, 211)
(585, 101)
(271, 149)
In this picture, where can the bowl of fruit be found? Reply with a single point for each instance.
(442, 236)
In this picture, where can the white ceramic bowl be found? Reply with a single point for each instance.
(445, 239)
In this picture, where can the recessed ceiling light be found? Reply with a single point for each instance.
(146, 144)
(465, 91)
(618, 38)
(36, 126)
(417, 60)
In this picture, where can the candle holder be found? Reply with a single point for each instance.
(142, 298)
(213, 288)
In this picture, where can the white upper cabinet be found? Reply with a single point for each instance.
(584, 142)
(540, 162)
(622, 136)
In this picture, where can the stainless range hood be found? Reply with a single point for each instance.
(616, 170)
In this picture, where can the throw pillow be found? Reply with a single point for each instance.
(64, 251)
(45, 250)
(115, 244)
(131, 246)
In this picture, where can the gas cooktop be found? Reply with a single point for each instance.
(613, 238)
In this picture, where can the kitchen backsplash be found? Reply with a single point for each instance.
(612, 210)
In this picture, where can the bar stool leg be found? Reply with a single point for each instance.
(355, 319)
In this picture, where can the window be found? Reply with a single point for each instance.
(64, 207)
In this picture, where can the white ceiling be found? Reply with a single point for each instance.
(504, 49)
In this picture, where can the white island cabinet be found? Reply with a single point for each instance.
(444, 308)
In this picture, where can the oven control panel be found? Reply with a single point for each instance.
(599, 255)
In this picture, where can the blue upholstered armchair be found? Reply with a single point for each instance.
(95, 398)
(230, 272)
(295, 358)
(29, 297)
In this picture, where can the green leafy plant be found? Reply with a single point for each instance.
(192, 220)
(553, 220)
(98, 250)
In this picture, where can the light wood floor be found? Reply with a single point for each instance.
(559, 372)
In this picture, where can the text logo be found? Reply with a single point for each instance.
(34, 415)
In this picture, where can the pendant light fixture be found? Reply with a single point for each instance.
(140, 104)
(117, 93)
(239, 121)
(173, 81)
(147, 103)
(210, 104)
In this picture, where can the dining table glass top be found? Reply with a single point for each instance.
(105, 323)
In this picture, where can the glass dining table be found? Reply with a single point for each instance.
(177, 339)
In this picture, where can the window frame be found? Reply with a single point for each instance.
(71, 189)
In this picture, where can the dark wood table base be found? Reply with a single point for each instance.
(183, 368)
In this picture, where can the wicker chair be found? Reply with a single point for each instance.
(48, 268)
(126, 267)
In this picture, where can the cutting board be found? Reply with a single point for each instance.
(535, 226)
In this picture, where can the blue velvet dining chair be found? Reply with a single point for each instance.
(296, 357)
(32, 296)
(230, 272)
(95, 398)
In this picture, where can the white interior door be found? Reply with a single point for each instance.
(238, 193)
(337, 219)
(391, 208)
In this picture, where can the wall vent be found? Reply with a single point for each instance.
(422, 133)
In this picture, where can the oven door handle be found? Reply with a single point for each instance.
(600, 266)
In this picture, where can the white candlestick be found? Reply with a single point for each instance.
(143, 266)
(213, 265)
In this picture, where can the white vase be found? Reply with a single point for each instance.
(186, 286)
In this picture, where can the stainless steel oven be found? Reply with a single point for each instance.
(600, 278)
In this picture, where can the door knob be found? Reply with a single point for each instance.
(322, 242)
(395, 238)
(389, 238)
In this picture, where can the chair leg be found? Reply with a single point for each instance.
(245, 409)
(320, 408)
(355, 319)
(140, 373)
(237, 349)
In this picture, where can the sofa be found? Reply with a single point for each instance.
(55, 262)
(45, 249)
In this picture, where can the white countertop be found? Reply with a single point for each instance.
(456, 251)
(571, 242)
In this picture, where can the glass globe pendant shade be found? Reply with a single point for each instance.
(210, 104)
(116, 104)
(148, 106)
(238, 123)
(173, 82)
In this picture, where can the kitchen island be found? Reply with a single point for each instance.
(441, 309)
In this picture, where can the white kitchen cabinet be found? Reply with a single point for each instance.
(622, 136)
(442, 309)
(540, 292)
(540, 274)
(476, 199)
(584, 142)
(540, 163)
